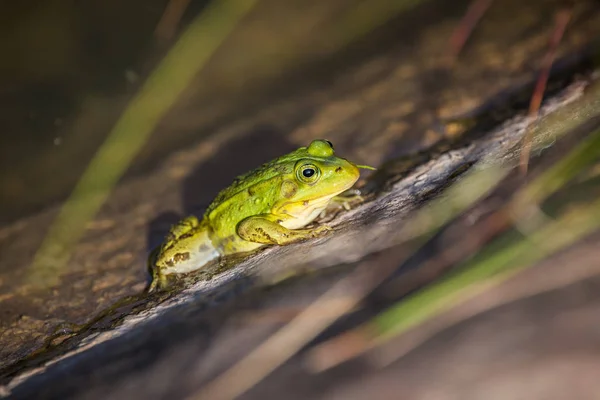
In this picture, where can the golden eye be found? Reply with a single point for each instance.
(308, 173)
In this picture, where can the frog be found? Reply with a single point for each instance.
(270, 205)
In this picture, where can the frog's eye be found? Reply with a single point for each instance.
(308, 173)
(320, 148)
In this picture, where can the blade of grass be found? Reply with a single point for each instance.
(169, 21)
(493, 269)
(161, 90)
(476, 10)
(367, 16)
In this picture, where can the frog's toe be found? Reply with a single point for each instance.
(322, 230)
(159, 282)
(154, 286)
(346, 201)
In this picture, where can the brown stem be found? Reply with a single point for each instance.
(561, 20)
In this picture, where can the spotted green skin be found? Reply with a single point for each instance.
(269, 205)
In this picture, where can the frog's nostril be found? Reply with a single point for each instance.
(338, 169)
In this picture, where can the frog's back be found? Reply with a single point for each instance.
(249, 183)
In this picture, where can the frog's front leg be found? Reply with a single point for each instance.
(266, 229)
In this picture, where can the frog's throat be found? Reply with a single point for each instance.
(304, 213)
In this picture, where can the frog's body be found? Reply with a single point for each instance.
(266, 206)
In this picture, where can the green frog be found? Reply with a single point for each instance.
(270, 205)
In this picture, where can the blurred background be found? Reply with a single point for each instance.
(117, 118)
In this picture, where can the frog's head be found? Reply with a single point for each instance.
(322, 173)
(318, 175)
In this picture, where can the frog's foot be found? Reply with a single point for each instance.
(321, 230)
(153, 271)
(264, 229)
(154, 286)
(159, 282)
(346, 200)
